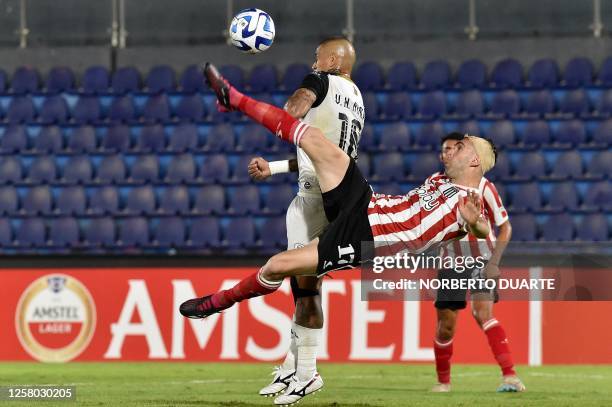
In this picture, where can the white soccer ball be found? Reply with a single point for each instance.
(252, 30)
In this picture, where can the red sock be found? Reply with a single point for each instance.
(252, 286)
(443, 352)
(274, 119)
(499, 345)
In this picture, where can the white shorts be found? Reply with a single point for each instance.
(305, 221)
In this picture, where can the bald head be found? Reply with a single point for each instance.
(335, 55)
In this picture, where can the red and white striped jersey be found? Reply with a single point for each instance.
(422, 219)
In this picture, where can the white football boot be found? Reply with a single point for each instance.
(297, 390)
(511, 384)
(441, 388)
(279, 383)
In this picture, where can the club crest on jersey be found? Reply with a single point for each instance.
(429, 199)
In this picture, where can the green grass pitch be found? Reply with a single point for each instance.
(360, 385)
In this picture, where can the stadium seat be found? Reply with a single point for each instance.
(122, 109)
(398, 106)
(184, 137)
(11, 170)
(436, 75)
(368, 138)
(134, 232)
(157, 109)
(605, 73)
(507, 73)
(191, 108)
(279, 197)
(96, 79)
(389, 188)
(71, 200)
(31, 232)
(570, 133)
(6, 233)
(111, 170)
(21, 110)
(14, 139)
(274, 234)
(117, 139)
(402, 76)
(423, 166)
(430, 134)
(87, 110)
(369, 76)
(563, 197)
(536, 133)
(600, 165)
(64, 232)
(240, 170)
(568, 165)
(42, 170)
(363, 163)
(210, 199)
(558, 227)
(370, 104)
(192, 80)
(506, 103)
(239, 233)
(170, 232)
(145, 169)
(161, 78)
(9, 200)
(104, 201)
(531, 165)
(540, 103)
(152, 138)
(433, 104)
(182, 168)
(394, 137)
(78, 170)
(599, 196)
(50, 140)
(603, 133)
(101, 232)
(502, 133)
(604, 104)
(126, 79)
(25, 80)
(470, 127)
(502, 169)
(234, 75)
(263, 78)
(174, 200)
(472, 74)
(527, 197)
(593, 228)
(244, 200)
(205, 233)
(575, 102)
(578, 72)
(470, 104)
(544, 73)
(60, 79)
(54, 110)
(220, 138)
(294, 75)
(388, 167)
(253, 138)
(524, 227)
(141, 201)
(82, 140)
(37, 201)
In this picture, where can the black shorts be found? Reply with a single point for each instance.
(455, 299)
(347, 205)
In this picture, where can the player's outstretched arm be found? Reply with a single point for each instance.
(300, 102)
(470, 208)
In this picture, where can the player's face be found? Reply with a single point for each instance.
(457, 155)
(324, 61)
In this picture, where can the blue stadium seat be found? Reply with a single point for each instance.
(101, 232)
(603, 133)
(502, 169)
(540, 103)
(600, 165)
(183, 138)
(60, 79)
(244, 200)
(145, 169)
(472, 74)
(370, 104)
(122, 109)
(161, 78)
(6, 233)
(507, 73)
(395, 136)
(502, 133)
(599, 196)
(571, 132)
(205, 233)
(368, 138)
(424, 165)
(240, 170)
(37, 201)
(536, 133)
(558, 227)
(11, 170)
(605, 73)
(389, 188)
(524, 227)
(182, 168)
(82, 140)
(175, 200)
(157, 109)
(111, 170)
(544, 73)
(430, 134)
(402, 76)
(50, 140)
(191, 108)
(398, 106)
(274, 234)
(152, 138)
(71, 200)
(578, 72)
(527, 197)
(234, 75)
(436, 75)
(9, 200)
(141, 201)
(593, 228)
(64, 232)
(531, 165)
(96, 79)
(563, 197)
(42, 170)
(134, 232)
(294, 75)
(117, 139)
(239, 233)
(604, 104)
(21, 110)
(126, 79)
(25, 80)
(253, 138)
(279, 198)
(87, 110)
(14, 139)
(363, 163)
(575, 102)
(104, 200)
(388, 167)
(170, 232)
(210, 199)
(54, 110)
(506, 103)
(369, 76)
(263, 78)
(433, 104)
(192, 80)
(469, 104)
(220, 138)
(31, 232)
(568, 165)
(78, 170)
(470, 127)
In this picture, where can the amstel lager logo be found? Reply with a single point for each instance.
(55, 318)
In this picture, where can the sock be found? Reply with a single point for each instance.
(290, 359)
(252, 286)
(499, 346)
(307, 341)
(443, 352)
(274, 119)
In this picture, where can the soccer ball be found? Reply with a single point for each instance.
(252, 30)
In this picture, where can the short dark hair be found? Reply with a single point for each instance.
(455, 135)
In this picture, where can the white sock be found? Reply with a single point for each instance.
(290, 359)
(307, 346)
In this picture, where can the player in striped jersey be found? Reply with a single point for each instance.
(449, 302)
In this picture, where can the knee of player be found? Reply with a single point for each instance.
(481, 315)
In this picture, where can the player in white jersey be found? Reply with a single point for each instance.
(329, 100)
(449, 302)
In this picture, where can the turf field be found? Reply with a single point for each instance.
(360, 385)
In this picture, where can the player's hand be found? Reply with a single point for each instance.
(491, 271)
(259, 169)
(470, 208)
